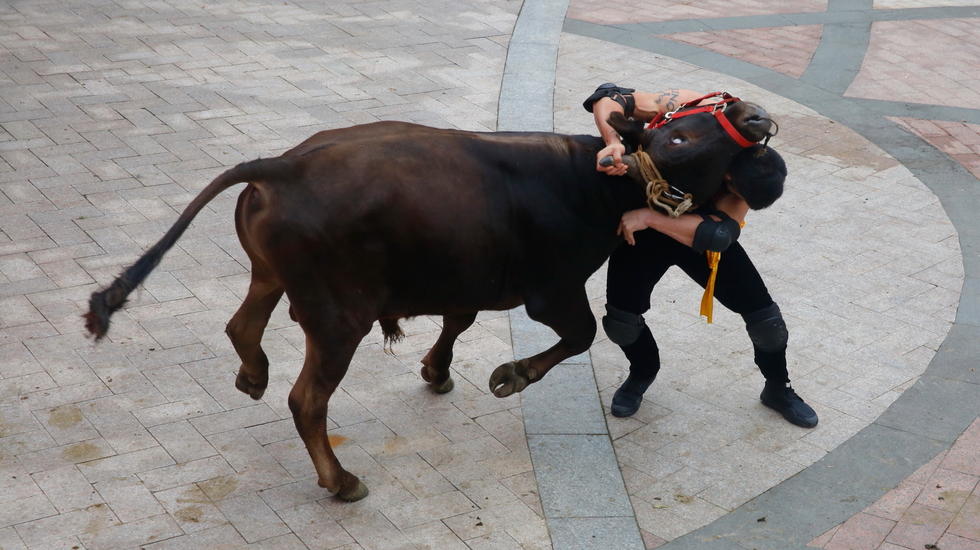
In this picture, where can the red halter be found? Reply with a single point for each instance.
(717, 109)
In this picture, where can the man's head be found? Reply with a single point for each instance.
(757, 174)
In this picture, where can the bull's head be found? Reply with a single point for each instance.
(693, 152)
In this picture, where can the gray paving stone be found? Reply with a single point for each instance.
(957, 357)
(968, 312)
(203, 469)
(27, 509)
(41, 532)
(125, 464)
(540, 22)
(578, 477)
(425, 510)
(131, 534)
(10, 540)
(128, 498)
(252, 518)
(834, 66)
(67, 488)
(595, 533)
(566, 402)
(919, 411)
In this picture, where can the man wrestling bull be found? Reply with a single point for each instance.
(704, 245)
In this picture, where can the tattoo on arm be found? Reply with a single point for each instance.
(668, 99)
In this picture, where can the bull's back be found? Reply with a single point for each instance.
(425, 215)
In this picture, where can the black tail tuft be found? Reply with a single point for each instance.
(101, 306)
(393, 333)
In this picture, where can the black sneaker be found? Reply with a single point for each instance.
(626, 401)
(782, 399)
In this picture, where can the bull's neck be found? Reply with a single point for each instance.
(608, 196)
(594, 201)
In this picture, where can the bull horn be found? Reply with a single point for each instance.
(633, 168)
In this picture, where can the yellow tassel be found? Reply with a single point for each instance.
(708, 299)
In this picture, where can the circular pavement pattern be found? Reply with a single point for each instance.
(868, 279)
(113, 115)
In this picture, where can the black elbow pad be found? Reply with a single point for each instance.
(716, 236)
(623, 96)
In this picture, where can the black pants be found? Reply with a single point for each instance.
(635, 270)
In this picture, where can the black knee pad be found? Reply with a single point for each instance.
(767, 329)
(622, 327)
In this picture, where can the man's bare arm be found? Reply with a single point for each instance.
(650, 104)
(614, 147)
(683, 227)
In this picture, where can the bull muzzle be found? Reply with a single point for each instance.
(751, 120)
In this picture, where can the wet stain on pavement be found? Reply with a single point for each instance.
(64, 417)
(80, 452)
(219, 487)
(190, 514)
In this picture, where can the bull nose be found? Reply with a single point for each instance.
(755, 123)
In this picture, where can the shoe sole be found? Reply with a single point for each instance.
(623, 414)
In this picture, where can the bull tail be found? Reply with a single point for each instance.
(104, 303)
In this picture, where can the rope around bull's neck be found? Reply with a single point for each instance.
(657, 186)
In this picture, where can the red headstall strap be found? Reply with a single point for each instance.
(716, 108)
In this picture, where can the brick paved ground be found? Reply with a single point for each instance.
(113, 116)
(959, 140)
(898, 4)
(784, 49)
(865, 315)
(599, 11)
(897, 66)
(938, 505)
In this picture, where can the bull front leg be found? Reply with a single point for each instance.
(570, 316)
(435, 364)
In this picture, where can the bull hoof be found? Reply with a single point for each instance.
(511, 378)
(255, 390)
(444, 387)
(355, 493)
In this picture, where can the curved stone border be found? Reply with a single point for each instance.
(928, 417)
(582, 492)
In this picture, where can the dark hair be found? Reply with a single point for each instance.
(758, 173)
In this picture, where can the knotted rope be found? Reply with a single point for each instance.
(659, 191)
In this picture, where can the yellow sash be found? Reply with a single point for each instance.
(708, 299)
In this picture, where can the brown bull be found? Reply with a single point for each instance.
(392, 220)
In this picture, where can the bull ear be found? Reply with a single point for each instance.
(630, 130)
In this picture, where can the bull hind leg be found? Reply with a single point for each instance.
(330, 344)
(570, 316)
(435, 364)
(246, 327)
